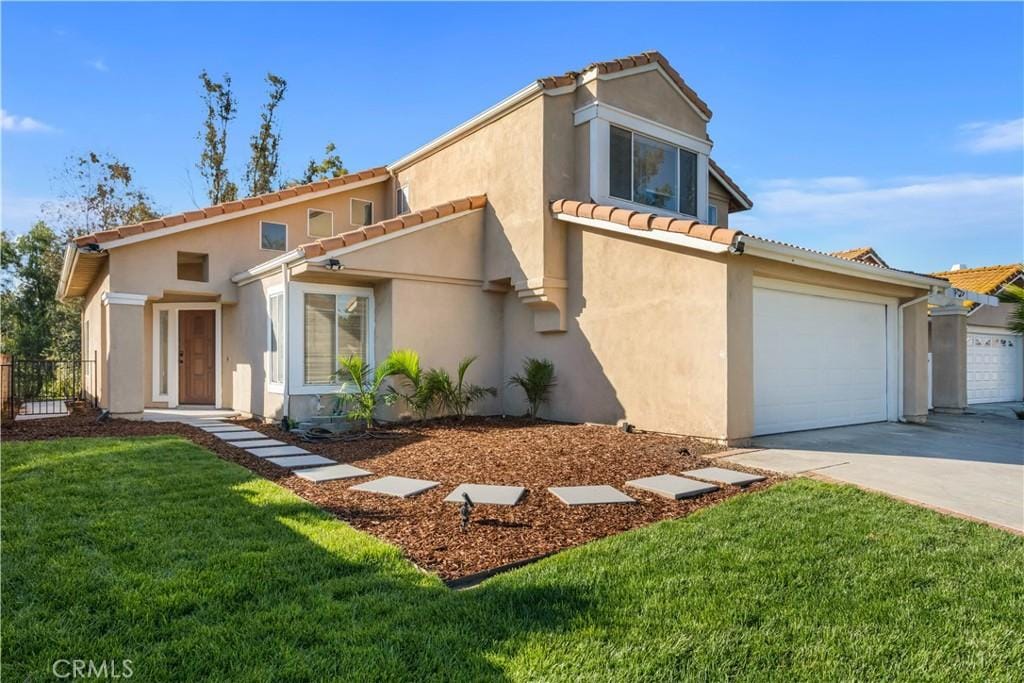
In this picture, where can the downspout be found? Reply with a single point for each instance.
(899, 353)
(287, 398)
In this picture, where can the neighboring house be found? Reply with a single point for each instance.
(580, 220)
(994, 354)
(862, 254)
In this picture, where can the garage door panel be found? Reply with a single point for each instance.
(818, 361)
(994, 368)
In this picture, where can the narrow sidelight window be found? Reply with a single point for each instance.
(402, 201)
(275, 342)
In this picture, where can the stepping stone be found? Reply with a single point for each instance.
(274, 451)
(400, 487)
(223, 428)
(487, 494)
(590, 495)
(301, 461)
(246, 435)
(724, 476)
(331, 473)
(259, 443)
(671, 486)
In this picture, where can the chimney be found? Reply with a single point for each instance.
(958, 266)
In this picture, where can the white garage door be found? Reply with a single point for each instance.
(818, 362)
(993, 367)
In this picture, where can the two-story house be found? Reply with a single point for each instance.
(581, 219)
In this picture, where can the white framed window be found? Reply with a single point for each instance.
(647, 171)
(333, 322)
(402, 200)
(319, 223)
(712, 214)
(163, 329)
(362, 212)
(273, 236)
(275, 340)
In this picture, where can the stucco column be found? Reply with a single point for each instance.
(125, 362)
(915, 362)
(949, 359)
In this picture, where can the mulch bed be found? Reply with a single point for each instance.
(482, 450)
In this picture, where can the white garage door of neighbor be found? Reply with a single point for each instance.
(993, 367)
(818, 362)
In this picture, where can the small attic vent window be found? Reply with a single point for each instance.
(194, 267)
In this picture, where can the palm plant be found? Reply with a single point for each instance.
(536, 380)
(456, 396)
(405, 364)
(1014, 294)
(361, 403)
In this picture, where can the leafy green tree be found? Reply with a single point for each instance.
(99, 194)
(1014, 294)
(361, 404)
(456, 396)
(536, 380)
(220, 111)
(262, 172)
(331, 166)
(35, 324)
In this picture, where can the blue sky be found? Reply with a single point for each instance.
(897, 126)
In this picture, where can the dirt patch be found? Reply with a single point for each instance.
(534, 455)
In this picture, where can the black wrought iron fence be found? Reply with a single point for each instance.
(46, 386)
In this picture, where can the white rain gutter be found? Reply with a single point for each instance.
(247, 276)
(662, 236)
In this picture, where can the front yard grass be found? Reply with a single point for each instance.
(154, 550)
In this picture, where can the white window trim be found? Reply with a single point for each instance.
(276, 387)
(310, 234)
(351, 211)
(259, 237)
(403, 190)
(712, 220)
(171, 397)
(296, 332)
(601, 118)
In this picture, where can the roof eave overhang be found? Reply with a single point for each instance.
(660, 236)
(191, 225)
(744, 203)
(755, 246)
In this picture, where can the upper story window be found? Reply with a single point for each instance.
(319, 223)
(362, 212)
(273, 236)
(647, 171)
(402, 201)
(712, 214)
(195, 267)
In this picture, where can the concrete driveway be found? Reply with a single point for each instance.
(969, 465)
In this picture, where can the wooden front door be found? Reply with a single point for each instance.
(196, 350)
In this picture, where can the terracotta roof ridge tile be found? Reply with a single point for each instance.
(640, 220)
(228, 207)
(623, 64)
(392, 225)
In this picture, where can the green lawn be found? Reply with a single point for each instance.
(156, 551)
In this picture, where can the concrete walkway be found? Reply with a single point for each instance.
(970, 465)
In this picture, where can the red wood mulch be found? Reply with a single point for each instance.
(535, 455)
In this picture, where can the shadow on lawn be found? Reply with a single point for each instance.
(198, 570)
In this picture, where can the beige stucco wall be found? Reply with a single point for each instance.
(150, 267)
(504, 161)
(646, 339)
(991, 316)
(718, 196)
(651, 96)
(125, 360)
(948, 345)
(94, 346)
(915, 362)
(245, 351)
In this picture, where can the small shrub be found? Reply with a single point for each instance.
(536, 380)
(405, 365)
(456, 396)
(361, 404)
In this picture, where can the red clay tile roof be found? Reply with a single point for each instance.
(633, 61)
(392, 225)
(638, 220)
(731, 184)
(860, 254)
(228, 207)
